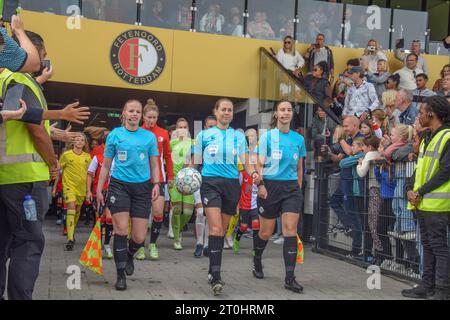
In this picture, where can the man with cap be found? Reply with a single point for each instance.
(361, 97)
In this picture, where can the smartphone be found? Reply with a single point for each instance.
(46, 64)
(401, 43)
(9, 9)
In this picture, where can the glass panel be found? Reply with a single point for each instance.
(271, 19)
(409, 25)
(320, 17)
(53, 6)
(220, 17)
(365, 23)
(276, 84)
(437, 47)
(407, 5)
(174, 14)
(124, 11)
(439, 12)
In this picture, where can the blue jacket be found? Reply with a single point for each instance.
(387, 183)
(352, 184)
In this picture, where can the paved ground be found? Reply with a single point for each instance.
(178, 275)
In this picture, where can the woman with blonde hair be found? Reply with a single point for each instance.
(131, 188)
(74, 165)
(150, 116)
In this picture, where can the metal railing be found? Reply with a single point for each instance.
(366, 220)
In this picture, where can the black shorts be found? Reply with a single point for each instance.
(282, 196)
(221, 193)
(134, 198)
(247, 216)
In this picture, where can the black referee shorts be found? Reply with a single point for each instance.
(223, 193)
(282, 196)
(134, 198)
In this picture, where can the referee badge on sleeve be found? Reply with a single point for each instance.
(122, 155)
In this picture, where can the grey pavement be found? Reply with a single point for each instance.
(179, 275)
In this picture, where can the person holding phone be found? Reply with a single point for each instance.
(372, 54)
(317, 53)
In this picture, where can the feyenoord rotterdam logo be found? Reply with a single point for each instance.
(138, 57)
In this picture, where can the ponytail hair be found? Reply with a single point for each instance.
(405, 131)
(274, 120)
(151, 106)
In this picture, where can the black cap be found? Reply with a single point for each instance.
(356, 69)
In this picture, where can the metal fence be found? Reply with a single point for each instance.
(366, 220)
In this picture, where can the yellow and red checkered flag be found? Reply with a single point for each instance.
(300, 251)
(91, 257)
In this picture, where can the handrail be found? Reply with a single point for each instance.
(298, 83)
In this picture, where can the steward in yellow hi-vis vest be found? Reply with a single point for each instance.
(26, 153)
(429, 197)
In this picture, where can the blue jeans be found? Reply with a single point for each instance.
(404, 221)
(345, 208)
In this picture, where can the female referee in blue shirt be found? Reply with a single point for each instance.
(280, 152)
(129, 188)
(220, 147)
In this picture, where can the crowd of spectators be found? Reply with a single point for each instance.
(374, 152)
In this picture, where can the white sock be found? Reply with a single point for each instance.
(170, 222)
(206, 233)
(200, 220)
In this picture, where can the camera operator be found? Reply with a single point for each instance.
(371, 56)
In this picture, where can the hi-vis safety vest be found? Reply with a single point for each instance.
(437, 200)
(20, 162)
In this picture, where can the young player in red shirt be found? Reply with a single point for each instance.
(150, 115)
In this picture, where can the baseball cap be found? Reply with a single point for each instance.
(356, 69)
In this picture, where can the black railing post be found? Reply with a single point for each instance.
(296, 21)
(193, 14)
(80, 5)
(344, 16)
(391, 30)
(245, 15)
(321, 210)
(138, 12)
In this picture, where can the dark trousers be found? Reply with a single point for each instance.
(386, 220)
(433, 234)
(345, 207)
(21, 241)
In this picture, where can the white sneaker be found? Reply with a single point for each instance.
(170, 234)
(410, 235)
(280, 240)
(393, 234)
(274, 237)
(228, 243)
(108, 251)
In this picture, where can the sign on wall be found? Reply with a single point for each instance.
(138, 57)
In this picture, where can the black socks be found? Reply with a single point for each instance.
(290, 255)
(120, 253)
(215, 256)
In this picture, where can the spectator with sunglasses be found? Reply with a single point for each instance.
(289, 57)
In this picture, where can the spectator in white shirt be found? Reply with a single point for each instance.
(415, 48)
(361, 97)
(409, 72)
(289, 57)
(372, 55)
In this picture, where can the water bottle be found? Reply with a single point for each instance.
(30, 208)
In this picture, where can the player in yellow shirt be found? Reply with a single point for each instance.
(74, 164)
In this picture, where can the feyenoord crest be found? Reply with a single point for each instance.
(138, 57)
